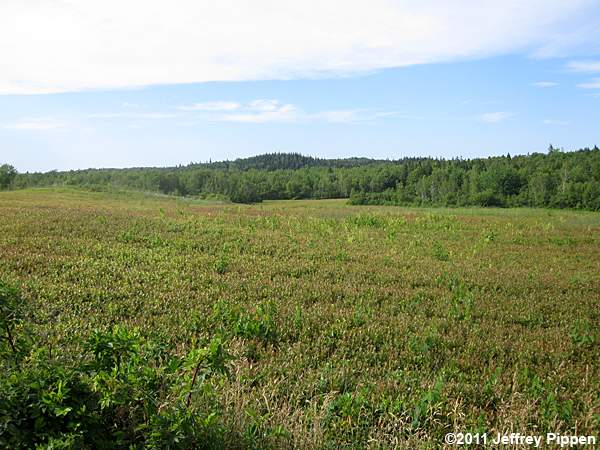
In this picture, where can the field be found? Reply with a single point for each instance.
(349, 326)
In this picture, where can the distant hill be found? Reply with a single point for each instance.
(287, 161)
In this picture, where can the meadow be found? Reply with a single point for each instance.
(347, 326)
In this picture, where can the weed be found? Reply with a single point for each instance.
(440, 252)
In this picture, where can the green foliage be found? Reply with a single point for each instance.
(234, 321)
(111, 349)
(440, 253)
(259, 325)
(427, 403)
(487, 198)
(551, 408)
(582, 334)
(365, 221)
(348, 415)
(7, 176)
(556, 180)
(14, 342)
(222, 264)
(124, 392)
(462, 301)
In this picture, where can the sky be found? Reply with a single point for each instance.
(155, 83)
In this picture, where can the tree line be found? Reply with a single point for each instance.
(556, 179)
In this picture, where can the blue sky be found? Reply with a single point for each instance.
(516, 84)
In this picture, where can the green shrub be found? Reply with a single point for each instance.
(124, 391)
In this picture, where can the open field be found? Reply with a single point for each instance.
(356, 326)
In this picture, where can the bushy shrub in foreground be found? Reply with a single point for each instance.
(124, 392)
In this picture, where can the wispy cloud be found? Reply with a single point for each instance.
(262, 111)
(356, 115)
(255, 111)
(544, 84)
(211, 106)
(272, 110)
(495, 117)
(584, 66)
(132, 115)
(594, 83)
(72, 46)
(555, 122)
(36, 124)
(265, 105)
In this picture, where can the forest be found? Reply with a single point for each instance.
(556, 179)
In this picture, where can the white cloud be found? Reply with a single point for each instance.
(495, 117)
(266, 105)
(584, 66)
(592, 84)
(35, 124)
(271, 110)
(131, 115)
(545, 84)
(555, 122)
(211, 106)
(255, 111)
(261, 111)
(56, 46)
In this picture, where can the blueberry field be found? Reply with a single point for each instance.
(177, 323)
